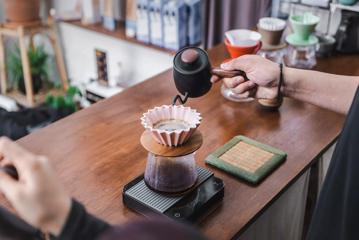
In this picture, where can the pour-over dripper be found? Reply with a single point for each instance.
(171, 125)
(271, 30)
(171, 140)
(303, 25)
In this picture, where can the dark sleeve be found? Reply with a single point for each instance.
(82, 225)
(14, 228)
(336, 216)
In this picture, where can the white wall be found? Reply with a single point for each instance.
(138, 62)
(64, 5)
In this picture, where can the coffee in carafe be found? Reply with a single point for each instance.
(171, 166)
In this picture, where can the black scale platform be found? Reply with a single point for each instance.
(190, 206)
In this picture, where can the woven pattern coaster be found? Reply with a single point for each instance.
(247, 159)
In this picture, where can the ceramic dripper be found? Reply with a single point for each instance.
(171, 125)
(271, 30)
(304, 25)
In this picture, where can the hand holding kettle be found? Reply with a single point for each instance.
(263, 77)
(249, 74)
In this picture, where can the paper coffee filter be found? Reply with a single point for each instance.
(242, 37)
(189, 120)
(272, 24)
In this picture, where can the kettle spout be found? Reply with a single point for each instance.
(180, 99)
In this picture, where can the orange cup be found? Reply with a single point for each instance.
(237, 51)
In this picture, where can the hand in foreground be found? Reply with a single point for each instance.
(262, 73)
(37, 196)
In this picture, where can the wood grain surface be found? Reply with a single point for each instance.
(97, 151)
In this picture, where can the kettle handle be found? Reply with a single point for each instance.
(228, 73)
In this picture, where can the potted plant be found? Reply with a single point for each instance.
(22, 11)
(38, 66)
(68, 101)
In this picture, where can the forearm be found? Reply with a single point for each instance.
(329, 91)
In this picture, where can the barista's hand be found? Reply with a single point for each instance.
(262, 73)
(37, 196)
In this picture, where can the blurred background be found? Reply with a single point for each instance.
(59, 56)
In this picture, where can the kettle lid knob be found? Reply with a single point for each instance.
(189, 56)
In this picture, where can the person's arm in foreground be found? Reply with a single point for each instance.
(40, 199)
(334, 92)
(42, 202)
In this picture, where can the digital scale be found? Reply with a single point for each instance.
(191, 206)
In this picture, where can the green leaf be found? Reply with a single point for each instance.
(49, 99)
(38, 64)
(69, 103)
(72, 91)
(59, 102)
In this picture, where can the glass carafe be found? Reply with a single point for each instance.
(301, 56)
(170, 174)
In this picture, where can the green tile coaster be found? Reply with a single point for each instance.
(247, 159)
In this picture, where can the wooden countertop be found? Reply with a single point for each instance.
(97, 151)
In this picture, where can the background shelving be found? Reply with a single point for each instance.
(335, 6)
(119, 33)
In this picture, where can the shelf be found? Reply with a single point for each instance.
(354, 8)
(40, 98)
(119, 33)
(103, 91)
(311, 6)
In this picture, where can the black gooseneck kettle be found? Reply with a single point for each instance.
(192, 73)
